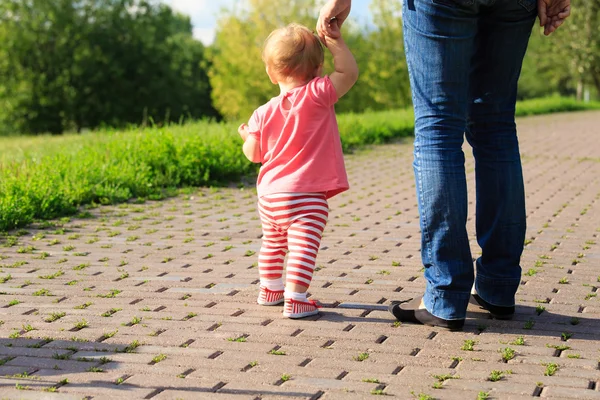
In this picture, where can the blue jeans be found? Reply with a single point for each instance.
(464, 59)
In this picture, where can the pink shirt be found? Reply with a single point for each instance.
(300, 148)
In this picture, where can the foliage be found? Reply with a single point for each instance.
(75, 64)
(568, 61)
(238, 76)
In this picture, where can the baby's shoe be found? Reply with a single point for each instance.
(300, 309)
(268, 297)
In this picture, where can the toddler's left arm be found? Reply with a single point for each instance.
(251, 146)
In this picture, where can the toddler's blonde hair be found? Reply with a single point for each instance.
(293, 52)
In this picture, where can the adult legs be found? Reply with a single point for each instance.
(439, 40)
(500, 46)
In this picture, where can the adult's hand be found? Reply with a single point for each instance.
(553, 13)
(338, 9)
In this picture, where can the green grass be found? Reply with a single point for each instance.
(469, 345)
(495, 376)
(45, 177)
(551, 369)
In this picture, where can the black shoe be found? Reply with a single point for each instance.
(498, 312)
(409, 311)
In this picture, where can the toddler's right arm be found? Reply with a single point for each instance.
(251, 146)
(346, 69)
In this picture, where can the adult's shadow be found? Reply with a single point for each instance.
(527, 321)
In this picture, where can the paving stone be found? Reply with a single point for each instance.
(165, 294)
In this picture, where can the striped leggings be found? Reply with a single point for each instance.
(291, 222)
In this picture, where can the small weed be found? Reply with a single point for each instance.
(81, 324)
(539, 309)
(361, 357)
(108, 335)
(520, 341)
(421, 396)
(560, 347)
(445, 377)
(565, 336)
(42, 292)
(285, 377)
(110, 312)
(159, 358)
(563, 281)
(190, 315)
(529, 324)
(94, 369)
(495, 376)
(132, 346)
(113, 293)
(13, 302)
(54, 316)
(83, 306)
(51, 276)
(507, 354)
(371, 380)
(551, 369)
(468, 345)
(277, 352)
(26, 250)
(483, 395)
(42, 256)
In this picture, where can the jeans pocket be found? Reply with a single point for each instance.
(455, 3)
(529, 5)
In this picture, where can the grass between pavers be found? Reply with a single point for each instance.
(47, 177)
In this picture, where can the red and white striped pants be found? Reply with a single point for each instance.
(291, 222)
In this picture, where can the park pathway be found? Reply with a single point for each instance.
(157, 300)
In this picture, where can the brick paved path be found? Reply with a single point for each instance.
(157, 300)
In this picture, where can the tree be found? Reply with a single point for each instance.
(73, 64)
(385, 72)
(567, 60)
(238, 76)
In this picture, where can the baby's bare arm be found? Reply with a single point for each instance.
(251, 146)
(346, 69)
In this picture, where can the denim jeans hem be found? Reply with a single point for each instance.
(497, 292)
(446, 305)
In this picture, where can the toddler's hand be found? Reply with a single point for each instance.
(334, 27)
(243, 131)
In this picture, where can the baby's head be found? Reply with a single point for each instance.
(293, 53)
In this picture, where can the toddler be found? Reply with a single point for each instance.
(295, 136)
